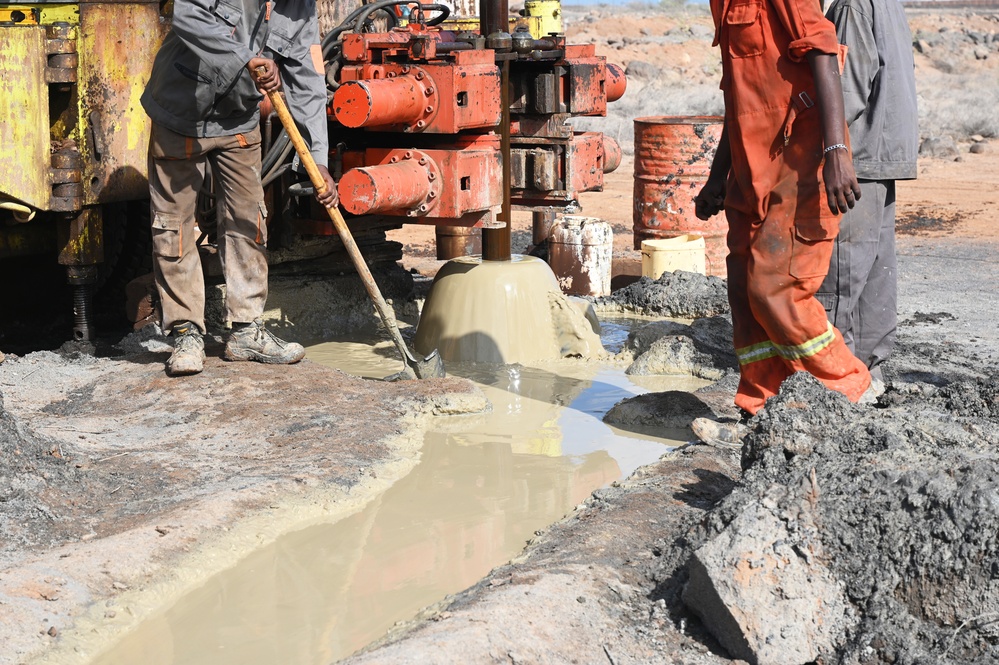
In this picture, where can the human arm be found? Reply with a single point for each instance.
(855, 29)
(305, 86)
(711, 199)
(328, 198)
(842, 188)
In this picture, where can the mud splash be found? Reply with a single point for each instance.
(503, 312)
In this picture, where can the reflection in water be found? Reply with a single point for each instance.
(484, 484)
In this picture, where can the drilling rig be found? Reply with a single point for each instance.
(436, 116)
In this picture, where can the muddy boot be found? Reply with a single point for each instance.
(188, 355)
(719, 435)
(252, 341)
(870, 395)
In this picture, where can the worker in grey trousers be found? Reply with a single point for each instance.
(879, 90)
(202, 97)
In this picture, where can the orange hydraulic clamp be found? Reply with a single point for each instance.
(422, 108)
(412, 183)
(440, 97)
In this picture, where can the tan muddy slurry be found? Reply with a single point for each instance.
(502, 312)
(485, 484)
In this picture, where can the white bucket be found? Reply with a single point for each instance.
(684, 252)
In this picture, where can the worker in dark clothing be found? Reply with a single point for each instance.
(879, 91)
(783, 173)
(203, 98)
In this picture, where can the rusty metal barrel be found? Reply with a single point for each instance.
(672, 159)
(580, 253)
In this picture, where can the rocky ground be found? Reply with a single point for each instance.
(846, 533)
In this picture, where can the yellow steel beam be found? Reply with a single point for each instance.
(24, 111)
(26, 14)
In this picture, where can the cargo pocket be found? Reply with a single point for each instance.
(827, 299)
(812, 247)
(745, 30)
(168, 236)
(279, 44)
(228, 12)
(261, 223)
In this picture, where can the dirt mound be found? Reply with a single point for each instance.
(677, 294)
(702, 349)
(907, 511)
(29, 469)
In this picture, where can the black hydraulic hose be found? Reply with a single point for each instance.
(278, 146)
(444, 10)
(280, 166)
(357, 18)
(348, 23)
(368, 10)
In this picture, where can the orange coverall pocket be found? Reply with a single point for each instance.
(811, 247)
(167, 235)
(745, 30)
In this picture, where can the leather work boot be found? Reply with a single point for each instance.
(719, 435)
(253, 341)
(188, 355)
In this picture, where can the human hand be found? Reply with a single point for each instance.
(265, 73)
(328, 198)
(842, 188)
(710, 200)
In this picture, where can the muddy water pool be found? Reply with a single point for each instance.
(483, 486)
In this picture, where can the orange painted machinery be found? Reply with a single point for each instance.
(419, 126)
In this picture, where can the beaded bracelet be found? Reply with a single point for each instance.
(836, 146)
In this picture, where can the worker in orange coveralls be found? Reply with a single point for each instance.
(784, 174)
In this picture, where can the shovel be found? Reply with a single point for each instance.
(431, 367)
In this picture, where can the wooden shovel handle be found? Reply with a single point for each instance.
(277, 102)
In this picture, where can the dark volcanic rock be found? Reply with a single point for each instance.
(908, 512)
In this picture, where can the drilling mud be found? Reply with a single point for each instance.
(485, 484)
(503, 312)
(121, 488)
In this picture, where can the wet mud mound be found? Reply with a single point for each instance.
(892, 513)
(702, 349)
(680, 294)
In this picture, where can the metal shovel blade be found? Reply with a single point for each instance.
(431, 367)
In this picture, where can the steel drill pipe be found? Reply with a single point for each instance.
(494, 16)
(380, 102)
(385, 188)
